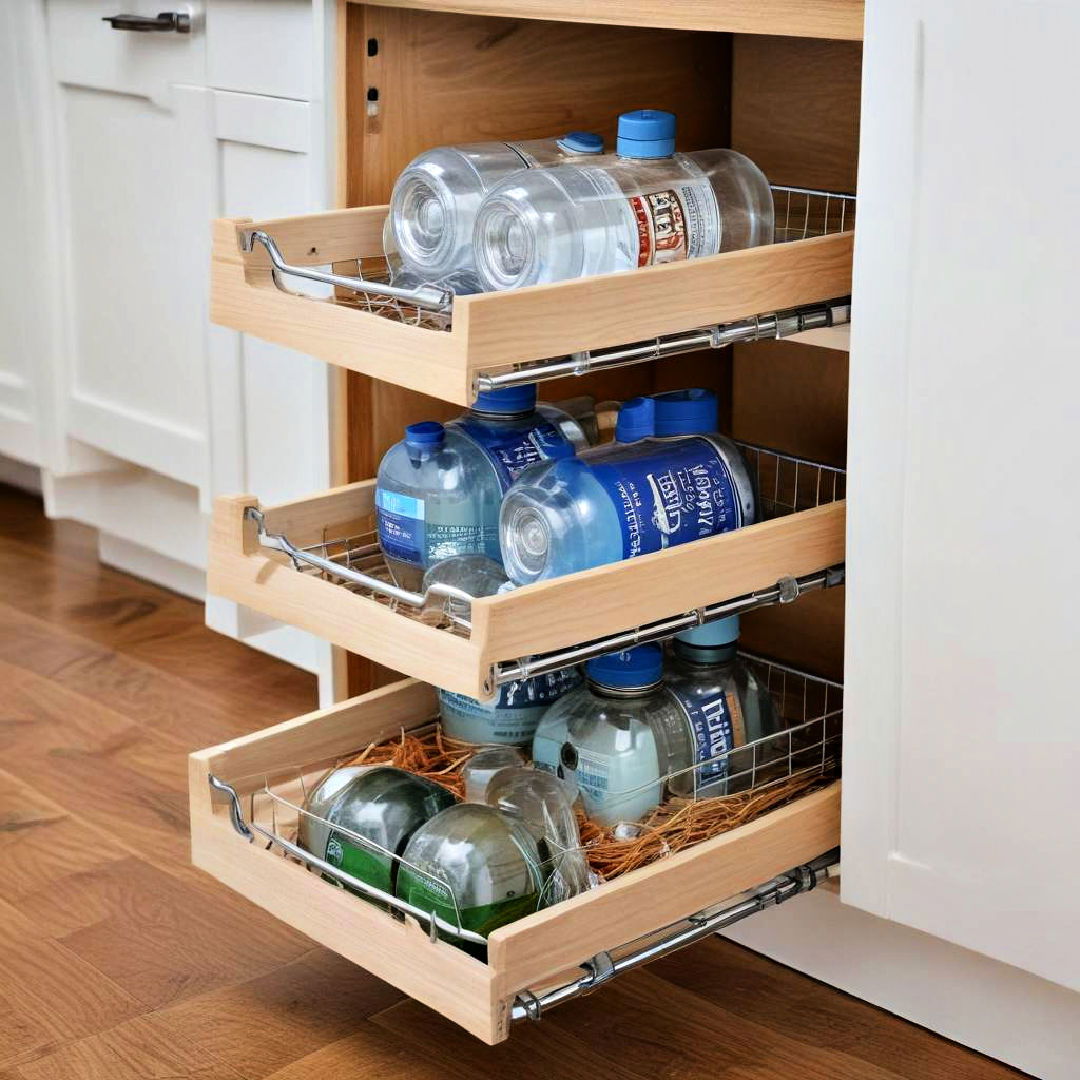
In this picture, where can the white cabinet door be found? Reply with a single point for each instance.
(136, 176)
(962, 741)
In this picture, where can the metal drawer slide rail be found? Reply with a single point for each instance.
(800, 213)
(603, 967)
(772, 326)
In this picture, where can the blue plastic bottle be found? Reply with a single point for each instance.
(617, 737)
(628, 498)
(727, 704)
(440, 488)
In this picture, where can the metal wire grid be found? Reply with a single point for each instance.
(813, 706)
(801, 213)
(785, 485)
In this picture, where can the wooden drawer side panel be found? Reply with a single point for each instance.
(526, 953)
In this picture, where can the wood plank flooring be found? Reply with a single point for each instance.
(118, 960)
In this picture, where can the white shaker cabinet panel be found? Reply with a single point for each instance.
(962, 743)
(138, 178)
(261, 47)
(87, 51)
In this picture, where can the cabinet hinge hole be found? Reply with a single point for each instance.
(373, 46)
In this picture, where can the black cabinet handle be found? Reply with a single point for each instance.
(144, 24)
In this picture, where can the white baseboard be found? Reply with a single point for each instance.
(1001, 1011)
(134, 559)
(21, 475)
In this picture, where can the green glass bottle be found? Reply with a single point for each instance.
(474, 863)
(383, 805)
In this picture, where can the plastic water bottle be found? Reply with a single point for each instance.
(428, 232)
(617, 737)
(439, 490)
(475, 866)
(383, 806)
(511, 716)
(643, 206)
(546, 805)
(728, 707)
(628, 498)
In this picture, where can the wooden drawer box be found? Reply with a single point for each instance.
(491, 331)
(539, 951)
(527, 622)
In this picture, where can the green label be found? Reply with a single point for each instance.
(430, 895)
(369, 866)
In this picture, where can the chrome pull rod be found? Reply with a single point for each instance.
(427, 296)
(603, 967)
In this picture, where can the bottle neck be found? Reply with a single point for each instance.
(480, 414)
(705, 655)
(600, 690)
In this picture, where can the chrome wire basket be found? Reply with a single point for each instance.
(274, 811)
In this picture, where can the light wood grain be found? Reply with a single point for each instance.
(799, 18)
(521, 956)
(526, 621)
(579, 607)
(495, 329)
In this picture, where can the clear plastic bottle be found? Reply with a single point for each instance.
(511, 716)
(643, 206)
(617, 737)
(439, 490)
(475, 866)
(382, 805)
(628, 498)
(726, 703)
(428, 232)
(546, 805)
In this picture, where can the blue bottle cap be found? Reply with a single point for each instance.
(686, 412)
(637, 667)
(581, 142)
(714, 635)
(428, 433)
(635, 420)
(646, 133)
(511, 399)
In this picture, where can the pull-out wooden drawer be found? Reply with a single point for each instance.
(444, 354)
(315, 564)
(268, 772)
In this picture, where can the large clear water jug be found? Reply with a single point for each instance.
(428, 231)
(372, 814)
(475, 866)
(439, 490)
(643, 206)
(631, 498)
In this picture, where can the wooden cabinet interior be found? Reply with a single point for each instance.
(412, 79)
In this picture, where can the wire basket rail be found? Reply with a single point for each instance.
(274, 811)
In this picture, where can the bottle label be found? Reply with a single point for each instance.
(681, 492)
(718, 728)
(431, 895)
(370, 866)
(408, 534)
(681, 222)
(401, 526)
(512, 449)
(512, 716)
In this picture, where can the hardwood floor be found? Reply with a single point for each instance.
(118, 960)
